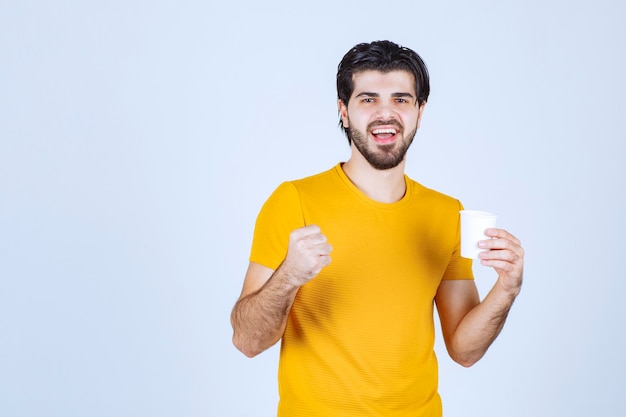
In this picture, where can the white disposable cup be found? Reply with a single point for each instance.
(473, 226)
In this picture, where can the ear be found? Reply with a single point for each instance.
(343, 113)
(419, 113)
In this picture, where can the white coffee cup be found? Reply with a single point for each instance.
(473, 226)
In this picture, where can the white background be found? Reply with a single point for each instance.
(138, 140)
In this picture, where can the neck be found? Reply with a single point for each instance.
(387, 186)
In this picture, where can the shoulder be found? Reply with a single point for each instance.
(322, 182)
(423, 193)
(319, 178)
(290, 192)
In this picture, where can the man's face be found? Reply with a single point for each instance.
(382, 116)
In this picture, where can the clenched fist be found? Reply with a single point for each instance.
(307, 254)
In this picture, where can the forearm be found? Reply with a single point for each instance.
(259, 319)
(480, 326)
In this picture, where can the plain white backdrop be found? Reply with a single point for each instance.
(138, 140)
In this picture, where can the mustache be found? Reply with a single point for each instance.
(390, 122)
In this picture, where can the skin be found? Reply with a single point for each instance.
(469, 326)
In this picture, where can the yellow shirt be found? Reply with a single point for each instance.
(360, 336)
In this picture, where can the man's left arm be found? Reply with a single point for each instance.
(469, 326)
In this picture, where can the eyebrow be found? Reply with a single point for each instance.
(367, 94)
(402, 95)
(395, 95)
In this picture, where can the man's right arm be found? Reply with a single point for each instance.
(260, 314)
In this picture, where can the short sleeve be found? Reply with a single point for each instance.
(280, 215)
(458, 267)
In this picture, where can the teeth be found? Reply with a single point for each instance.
(384, 131)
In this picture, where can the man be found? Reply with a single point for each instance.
(357, 330)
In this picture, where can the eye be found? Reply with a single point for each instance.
(367, 100)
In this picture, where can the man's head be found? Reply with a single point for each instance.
(383, 56)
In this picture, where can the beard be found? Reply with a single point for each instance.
(382, 157)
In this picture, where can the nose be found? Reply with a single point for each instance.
(385, 111)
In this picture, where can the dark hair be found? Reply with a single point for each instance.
(384, 56)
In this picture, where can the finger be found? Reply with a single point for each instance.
(496, 244)
(305, 231)
(311, 229)
(325, 249)
(506, 255)
(325, 260)
(501, 234)
(505, 242)
(499, 265)
(316, 239)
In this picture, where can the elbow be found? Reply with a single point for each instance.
(466, 363)
(248, 353)
(245, 348)
(241, 341)
(466, 359)
(252, 341)
(252, 345)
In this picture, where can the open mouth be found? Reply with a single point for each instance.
(384, 135)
